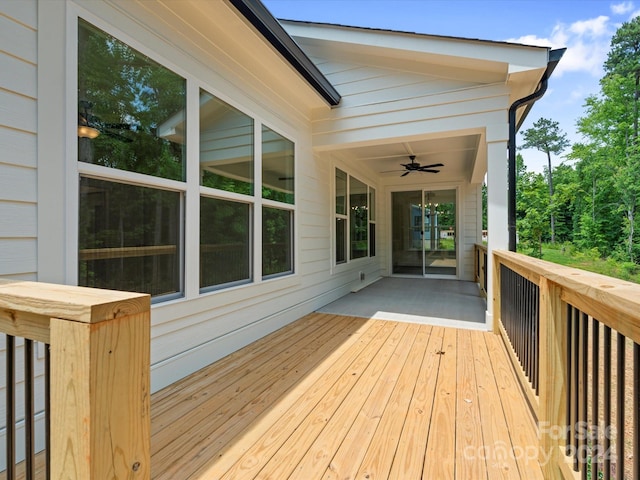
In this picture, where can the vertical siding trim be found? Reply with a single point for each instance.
(52, 103)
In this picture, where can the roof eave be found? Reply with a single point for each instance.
(554, 58)
(269, 27)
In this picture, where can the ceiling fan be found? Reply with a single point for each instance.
(414, 166)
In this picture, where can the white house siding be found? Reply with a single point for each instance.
(18, 183)
(18, 195)
(193, 331)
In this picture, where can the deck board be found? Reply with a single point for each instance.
(334, 397)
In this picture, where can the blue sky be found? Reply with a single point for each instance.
(584, 27)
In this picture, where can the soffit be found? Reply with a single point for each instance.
(217, 35)
(457, 151)
(486, 60)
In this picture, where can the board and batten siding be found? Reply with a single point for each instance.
(18, 125)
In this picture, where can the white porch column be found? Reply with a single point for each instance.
(497, 185)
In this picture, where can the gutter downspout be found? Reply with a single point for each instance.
(511, 180)
(554, 58)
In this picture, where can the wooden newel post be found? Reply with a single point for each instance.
(100, 391)
(553, 347)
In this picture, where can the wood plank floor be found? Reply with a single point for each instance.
(334, 397)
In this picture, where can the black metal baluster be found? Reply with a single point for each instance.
(11, 405)
(582, 401)
(574, 390)
(595, 394)
(620, 372)
(47, 410)
(636, 411)
(29, 411)
(569, 375)
(607, 403)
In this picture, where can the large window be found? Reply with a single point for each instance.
(277, 241)
(130, 118)
(341, 216)
(278, 187)
(358, 218)
(136, 195)
(226, 146)
(225, 242)
(355, 230)
(129, 237)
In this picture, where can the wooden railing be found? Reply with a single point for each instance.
(99, 342)
(480, 267)
(574, 339)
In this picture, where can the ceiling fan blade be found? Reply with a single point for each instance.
(433, 165)
(393, 171)
(429, 171)
(406, 173)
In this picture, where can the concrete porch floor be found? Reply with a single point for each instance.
(443, 302)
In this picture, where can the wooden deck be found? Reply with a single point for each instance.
(333, 397)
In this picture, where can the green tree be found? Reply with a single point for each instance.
(546, 136)
(610, 126)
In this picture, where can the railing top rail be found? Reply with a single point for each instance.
(481, 246)
(619, 298)
(81, 304)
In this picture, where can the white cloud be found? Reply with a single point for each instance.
(594, 27)
(622, 8)
(587, 42)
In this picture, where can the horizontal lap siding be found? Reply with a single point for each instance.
(18, 180)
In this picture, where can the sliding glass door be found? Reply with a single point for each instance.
(424, 232)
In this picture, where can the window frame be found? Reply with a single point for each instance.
(190, 189)
(335, 265)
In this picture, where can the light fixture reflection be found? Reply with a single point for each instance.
(85, 131)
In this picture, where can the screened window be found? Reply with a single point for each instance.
(129, 237)
(226, 146)
(225, 242)
(277, 241)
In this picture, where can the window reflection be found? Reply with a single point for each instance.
(278, 179)
(358, 218)
(131, 110)
(226, 146)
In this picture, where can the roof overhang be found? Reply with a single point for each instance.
(258, 15)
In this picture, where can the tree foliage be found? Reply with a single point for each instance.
(594, 200)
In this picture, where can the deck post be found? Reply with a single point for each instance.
(495, 290)
(100, 398)
(553, 347)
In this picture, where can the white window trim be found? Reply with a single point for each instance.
(191, 212)
(336, 268)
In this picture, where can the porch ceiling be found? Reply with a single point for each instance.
(458, 153)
